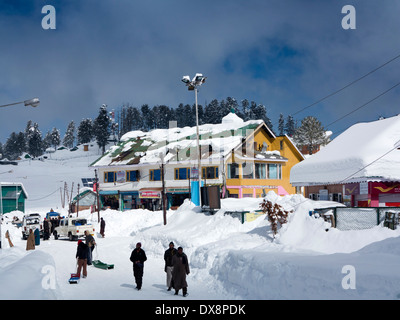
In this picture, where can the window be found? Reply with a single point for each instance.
(132, 175)
(260, 171)
(233, 171)
(210, 172)
(274, 171)
(182, 173)
(110, 176)
(155, 175)
(247, 170)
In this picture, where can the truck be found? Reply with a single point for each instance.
(31, 221)
(73, 228)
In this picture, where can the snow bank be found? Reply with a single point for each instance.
(27, 275)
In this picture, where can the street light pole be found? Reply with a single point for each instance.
(193, 84)
(33, 103)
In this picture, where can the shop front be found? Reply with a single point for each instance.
(374, 194)
(150, 199)
(176, 196)
(109, 199)
(129, 200)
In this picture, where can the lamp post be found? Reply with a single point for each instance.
(28, 103)
(193, 84)
(32, 103)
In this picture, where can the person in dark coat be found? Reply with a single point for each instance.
(138, 257)
(102, 227)
(37, 236)
(46, 229)
(181, 269)
(81, 255)
(168, 255)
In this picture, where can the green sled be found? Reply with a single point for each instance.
(102, 265)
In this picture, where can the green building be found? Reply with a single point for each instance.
(12, 197)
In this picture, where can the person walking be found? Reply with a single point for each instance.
(168, 255)
(102, 227)
(181, 269)
(46, 230)
(90, 245)
(81, 255)
(30, 243)
(138, 257)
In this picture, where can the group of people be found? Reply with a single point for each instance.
(176, 267)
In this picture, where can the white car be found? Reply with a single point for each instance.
(31, 221)
(73, 228)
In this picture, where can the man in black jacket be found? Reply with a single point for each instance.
(81, 255)
(168, 255)
(138, 257)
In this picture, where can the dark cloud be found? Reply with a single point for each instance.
(285, 54)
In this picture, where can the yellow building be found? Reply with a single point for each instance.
(261, 163)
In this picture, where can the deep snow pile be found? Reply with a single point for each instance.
(228, 259)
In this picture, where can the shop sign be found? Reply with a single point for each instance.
(363, 187)
(150, 194)
(120, 176)
(194, 173)
(352, 188)
(178, 190)
(380, 187)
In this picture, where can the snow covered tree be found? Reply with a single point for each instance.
(85, 131)
(55, 138)
(101, 128)
(246, 109)
(14, 146)
(311, 133)
(69, 137)
(35, 142)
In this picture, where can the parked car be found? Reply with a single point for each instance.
(31, 221)
(73, 228)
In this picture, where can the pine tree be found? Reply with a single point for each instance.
(69, 137)
(55, 139)
(311, 133)
(11, 149)
(246, 109)
(290, 127)
(35, 143)
(85, 131)
(281, 125)
(147, 116)
(101, 128)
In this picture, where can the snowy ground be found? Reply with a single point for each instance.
(228, 260)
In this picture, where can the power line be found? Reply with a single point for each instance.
(348, 85)
(363, 105)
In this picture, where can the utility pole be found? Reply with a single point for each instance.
(77, 203)
(96, 181)
(163, 191)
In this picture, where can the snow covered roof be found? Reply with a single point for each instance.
(364, 152)
(174, 144)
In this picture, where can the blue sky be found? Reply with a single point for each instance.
(285, 54)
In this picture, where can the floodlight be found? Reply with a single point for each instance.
(32, 102)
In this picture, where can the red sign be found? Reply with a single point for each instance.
(385, 187)
(150, 194)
